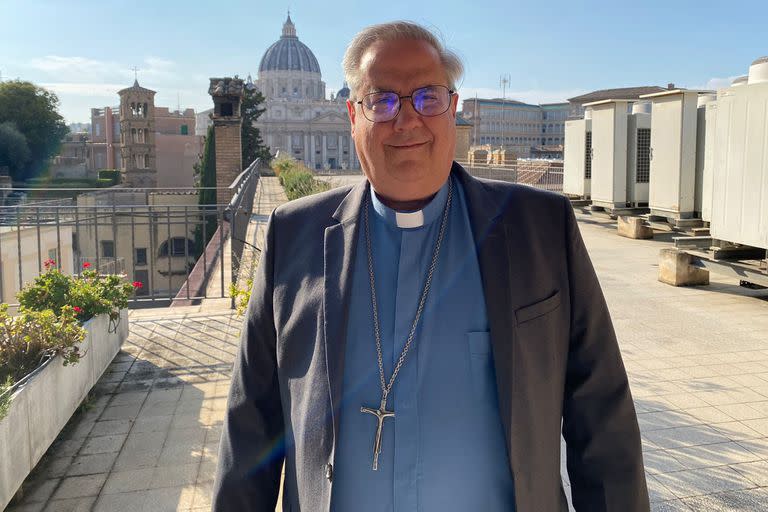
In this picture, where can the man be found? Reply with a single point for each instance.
(417, 342)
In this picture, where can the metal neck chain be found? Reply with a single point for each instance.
(386, 388)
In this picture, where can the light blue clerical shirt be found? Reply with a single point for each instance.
(444, 450)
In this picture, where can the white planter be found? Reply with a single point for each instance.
(43, 405)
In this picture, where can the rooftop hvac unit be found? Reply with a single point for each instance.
(705, 147)
(740, 186)
(672, 191)
(620, 154)
(577, 158)
(638, 153)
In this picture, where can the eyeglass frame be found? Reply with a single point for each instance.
(400, 99)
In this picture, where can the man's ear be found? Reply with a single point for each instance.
(455, 104)
(351, 112)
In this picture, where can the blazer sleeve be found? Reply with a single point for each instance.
(604, 453)
(251, 452)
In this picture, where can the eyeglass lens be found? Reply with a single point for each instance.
(427, 101)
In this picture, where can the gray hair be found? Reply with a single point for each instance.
(394, 31)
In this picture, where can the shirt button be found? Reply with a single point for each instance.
(329, 472)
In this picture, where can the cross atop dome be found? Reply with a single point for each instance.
(289, 29)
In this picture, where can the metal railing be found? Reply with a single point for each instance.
(539, 174)
(154, 235)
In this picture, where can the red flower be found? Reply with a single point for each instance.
(49, 263)
(137, 284)
(78, 309)
(86, 265)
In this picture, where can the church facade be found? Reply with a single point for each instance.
(298, 119)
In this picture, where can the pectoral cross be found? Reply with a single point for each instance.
(381, 414)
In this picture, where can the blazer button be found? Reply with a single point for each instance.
(329, 472)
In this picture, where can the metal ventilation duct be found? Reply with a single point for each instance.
(641, 107)
(742, 80)
(758, 71)
(703, 99)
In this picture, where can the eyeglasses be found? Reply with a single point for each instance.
(429, 101)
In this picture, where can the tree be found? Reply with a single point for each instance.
(14, 150)
(253, 145)
(34, 111)
(207, 193)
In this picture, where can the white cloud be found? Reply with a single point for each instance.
(714, 84)
(84, 89)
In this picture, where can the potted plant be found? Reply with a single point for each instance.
(62, 320)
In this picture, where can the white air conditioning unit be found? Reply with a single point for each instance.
(620, 153)
(577, 157)
(672, 190)
(705, 149)
(638, 153)
(740, 186)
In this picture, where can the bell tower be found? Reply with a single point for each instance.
(137, 136)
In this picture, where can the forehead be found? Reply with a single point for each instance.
(401, 66)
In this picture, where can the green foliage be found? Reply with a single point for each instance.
(30, 338)
(253, 145)
(34, 111)
(88, 294)
(14, 150)
(241, 296)
(206, 197)
(297, 180)
(112, 176)
(5, 396)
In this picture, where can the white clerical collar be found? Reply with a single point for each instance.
(411, 219)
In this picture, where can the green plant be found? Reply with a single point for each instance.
(89, 294)
(32, 337)
(241, 296)
(5, 396)
(297, 180)
(111, 176)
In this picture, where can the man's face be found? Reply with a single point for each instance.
(409, 157)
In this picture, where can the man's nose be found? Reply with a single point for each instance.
(407, 118)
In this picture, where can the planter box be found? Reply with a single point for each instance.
(43, 405)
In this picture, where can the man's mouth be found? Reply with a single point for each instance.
(409, 145)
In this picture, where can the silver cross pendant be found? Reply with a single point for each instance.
(381, 414)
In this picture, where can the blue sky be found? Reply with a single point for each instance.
(552, 50)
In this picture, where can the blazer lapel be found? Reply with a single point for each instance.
(340, 243)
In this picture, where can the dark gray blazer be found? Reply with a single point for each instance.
(554, 350)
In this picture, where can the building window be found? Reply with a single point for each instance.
(141, 256)
(184, 129)
(53, 254)
(107, 249)
(177, 245)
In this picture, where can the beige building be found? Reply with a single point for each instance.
(160, 144)
(26, 238)
(576, 104)
(514, 125)
(298, 119)
(147, 236)
(463, 139)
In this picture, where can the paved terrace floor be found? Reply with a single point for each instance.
(697, 360)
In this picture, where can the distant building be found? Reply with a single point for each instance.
(463, 139)
(203, 122)
(159, 147)
(298, 119)
(515, 125)
(576, 104)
